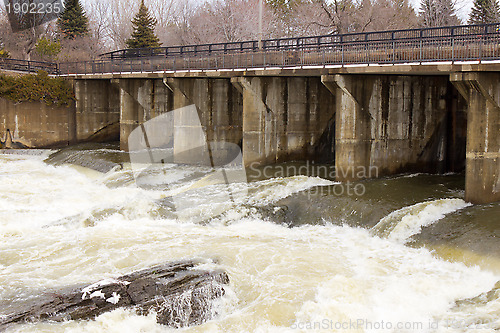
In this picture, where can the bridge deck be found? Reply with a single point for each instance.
(309, 71)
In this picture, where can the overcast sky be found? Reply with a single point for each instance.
(463, 6)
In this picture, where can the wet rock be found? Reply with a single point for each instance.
(99, 157)
(177, 292)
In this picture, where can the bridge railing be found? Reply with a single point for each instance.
(457, 47)
(28, 66)
(308, 43)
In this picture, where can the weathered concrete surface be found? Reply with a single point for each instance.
(443, 69)
(137, 105)
(97, 110)
(177, 292)
(391, 124)
(481, 90)
(219, 106)
(93, 117)
(283, 117)
(36, 124)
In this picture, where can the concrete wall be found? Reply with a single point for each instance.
(97, 110)
(283, 117)
(273, 119)
(391, 124)
(36, 124)
(218, 103)
(95, 116)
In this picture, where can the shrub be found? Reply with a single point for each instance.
(36, 88)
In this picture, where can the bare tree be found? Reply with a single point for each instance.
(22, 43)
(437, 13)
(348, 16)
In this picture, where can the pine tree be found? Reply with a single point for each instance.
(73, 21)
(484, 11)
(143, 35)
(438, 13)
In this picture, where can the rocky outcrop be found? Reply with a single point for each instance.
(177, 292)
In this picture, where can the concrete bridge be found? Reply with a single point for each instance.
(425, 100)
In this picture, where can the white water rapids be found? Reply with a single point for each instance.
(61, 227)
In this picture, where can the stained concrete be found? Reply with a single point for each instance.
(483, 135)
(218, 105)
(391, 124)
(97, 109)
(94, 116)
(36, 124)
(283, 118)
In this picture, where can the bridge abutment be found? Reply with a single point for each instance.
(483, 134)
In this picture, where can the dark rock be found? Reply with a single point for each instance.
(177, 292)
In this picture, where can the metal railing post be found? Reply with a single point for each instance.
(452, 45)
(393, 48)
(342, 51)
(421, 45)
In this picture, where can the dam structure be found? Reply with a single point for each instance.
(419, 100)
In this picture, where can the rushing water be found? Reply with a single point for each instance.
(409, 255)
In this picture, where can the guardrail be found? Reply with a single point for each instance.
(28, 66)
(455, 47)
(309, 43)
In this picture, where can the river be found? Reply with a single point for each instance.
(404, 254)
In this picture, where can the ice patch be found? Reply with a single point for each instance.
(103, 283)
(114, 299)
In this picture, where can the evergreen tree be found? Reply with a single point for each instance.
(73, 21)
(438, 13)
(144, 34)
(485, 11)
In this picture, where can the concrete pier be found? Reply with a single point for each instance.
(97, 109)
(481, 90)
(283, 117)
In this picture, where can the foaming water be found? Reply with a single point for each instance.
(282, 279)
(400, 225)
